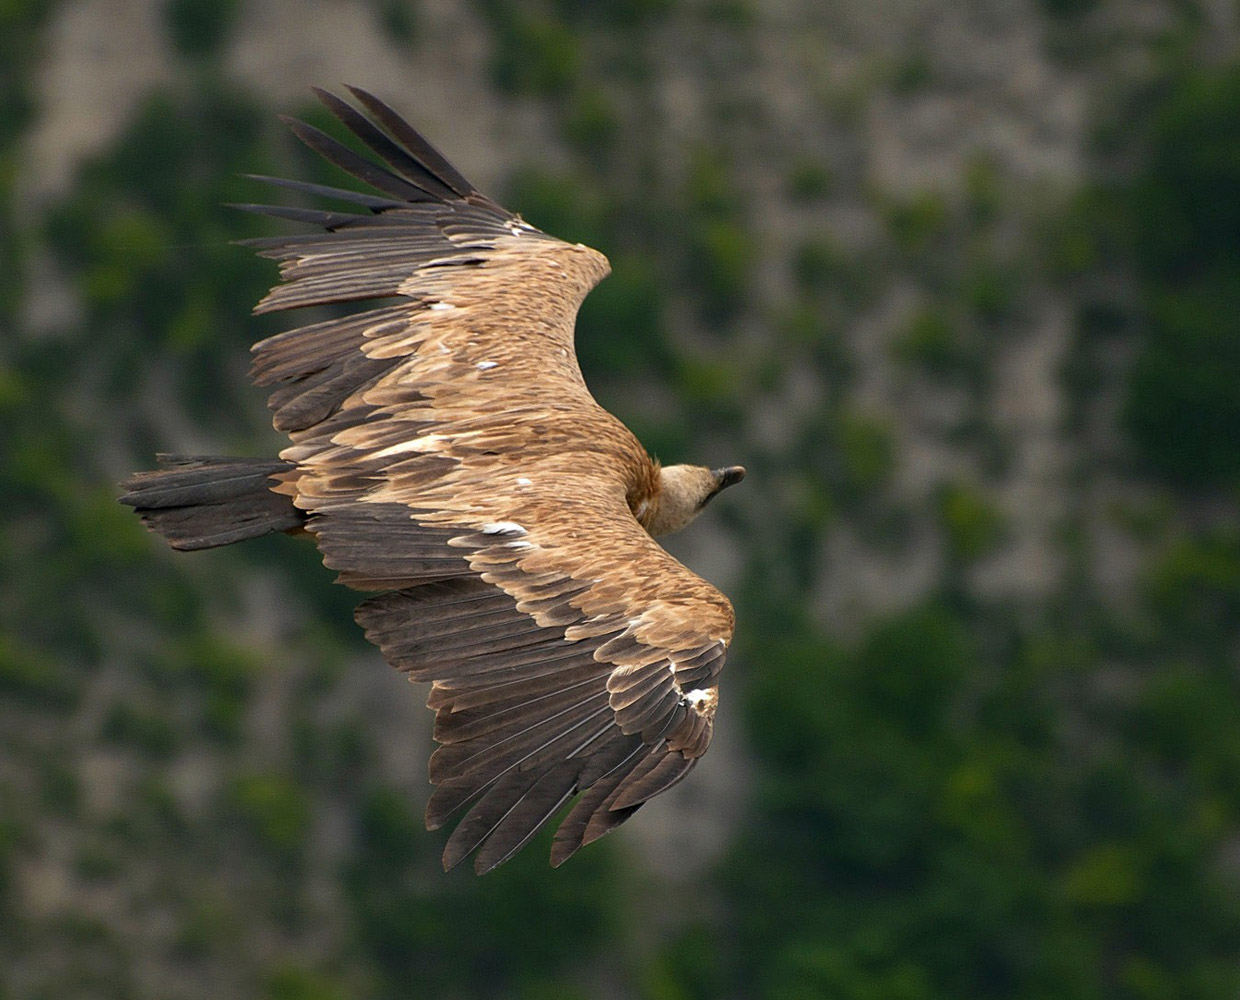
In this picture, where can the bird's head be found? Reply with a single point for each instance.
(683, 491)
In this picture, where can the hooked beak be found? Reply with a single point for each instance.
(723, 479)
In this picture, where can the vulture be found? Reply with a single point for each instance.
(448, 459)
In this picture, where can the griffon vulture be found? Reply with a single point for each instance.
(447, 457)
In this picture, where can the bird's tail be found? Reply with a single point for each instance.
(201, 502)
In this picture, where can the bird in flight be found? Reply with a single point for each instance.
(448, 458)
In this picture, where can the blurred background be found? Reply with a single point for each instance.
(958, 283)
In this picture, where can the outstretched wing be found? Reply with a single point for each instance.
(449, 457)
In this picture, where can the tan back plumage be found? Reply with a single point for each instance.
(450, 458)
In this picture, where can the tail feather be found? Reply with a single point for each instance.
(201, 502)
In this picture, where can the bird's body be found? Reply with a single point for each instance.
(447, 456)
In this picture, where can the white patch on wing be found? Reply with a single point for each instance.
(484, 365)
(425, 443)
(522, 481)
(442, 306)
(503, 528)
(696, 695)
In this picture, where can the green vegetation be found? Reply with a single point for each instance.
(452, 934)
(200, 28)
(591, 122)
(1182, 409)
(912, 73)
(809, 181)
(866, 452)
(151, 733)
(274, 811)
(289, 982)
(21, 24)
(971, 524)
(31, 676)
(916, 222)
(1068, 8)
(720, 252)
(1194, 592)
(815, 264)
(398, 20)
(1174, 223)
(933, 344)
(535, 53)
(990, 289)
(917, 789)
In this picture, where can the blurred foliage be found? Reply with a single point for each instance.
(535, 52)
(972, 524)
(151, 732)
(1182, 408)
(911, 73)
(21, 23)
(617, 13)
(720, 250)
(147, 224)
(990, 289)
(736, 14)
(398, 20)
(33, 677)
(292, 983)
(927, 829)
(1068, 8)
(454, 935)
(984, 190)
(719, 262)
(591, 122)
(275, 811)
(866, 452)
(934, 344)
(816, 264)
(916, 222)
(1193, 590)
(808, 181)
(200, 28)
